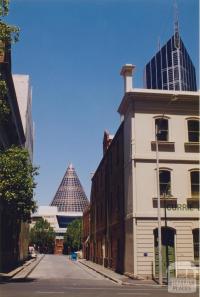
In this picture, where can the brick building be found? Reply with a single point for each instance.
(106, 216)
(86, 233)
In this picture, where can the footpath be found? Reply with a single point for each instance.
(116, 277)
(23, 271)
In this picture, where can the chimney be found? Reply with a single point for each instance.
(127, 72)
(107, 139)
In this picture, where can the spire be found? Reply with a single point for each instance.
(70, 196)
(70, 166)
(176, 26)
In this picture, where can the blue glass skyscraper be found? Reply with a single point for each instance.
(171, 68)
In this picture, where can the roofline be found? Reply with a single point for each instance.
(148, 94)
(108, 149)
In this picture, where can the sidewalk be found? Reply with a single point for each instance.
(116, 277)
(23, 271)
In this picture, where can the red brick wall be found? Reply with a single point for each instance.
(86, 233)
(58, 250)
(107, 207)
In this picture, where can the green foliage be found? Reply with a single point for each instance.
(17, 182)
(43, 236)
(73, 235)
(8, 33)
(4, 108)
(4, 7)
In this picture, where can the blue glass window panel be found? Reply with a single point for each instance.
(158, 65)
(163, 53)
(63, 221)
(187, 72)
(177, 87)
(169, 53)
(153, 73)
(165, 77)
(173, 45)
(148, 76)
(194, 81)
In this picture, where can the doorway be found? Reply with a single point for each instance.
(168, 250)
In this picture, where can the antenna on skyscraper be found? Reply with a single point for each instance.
(159, 43)
(176, 26)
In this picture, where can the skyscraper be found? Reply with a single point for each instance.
(171, 68)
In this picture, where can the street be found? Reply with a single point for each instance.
(58, 276)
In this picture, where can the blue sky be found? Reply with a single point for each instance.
(73, 51)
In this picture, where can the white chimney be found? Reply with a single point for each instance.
(127, 72)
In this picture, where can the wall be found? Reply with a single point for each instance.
(139, 112)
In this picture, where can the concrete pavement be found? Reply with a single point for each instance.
(58, 276)
(23, 270)
(116, 277)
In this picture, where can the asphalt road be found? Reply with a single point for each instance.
(57, 276)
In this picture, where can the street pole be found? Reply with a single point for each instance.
(174, 98)
(159, 215)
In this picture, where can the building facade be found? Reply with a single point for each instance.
(123, 214)
(24, 98)
(176, 114)
(86, 233)
(13, 247)
(105, 243)
(11, 130)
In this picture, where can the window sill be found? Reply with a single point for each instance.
(165, 202)
(163, 146)
(191, 147)
(193, 202)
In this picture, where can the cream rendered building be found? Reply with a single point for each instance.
(140, 110)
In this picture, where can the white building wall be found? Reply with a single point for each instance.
(24, 98)
(145, 134)
(145, 243)
(140, 177)
(146, 187)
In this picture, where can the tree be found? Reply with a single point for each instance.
(43, 236)
(8, 34)
(17, 182)
(73, 235)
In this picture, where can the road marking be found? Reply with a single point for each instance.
(43, 292)
(133, 293)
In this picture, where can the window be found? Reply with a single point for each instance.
(194, 177)
(193, 130)
(161, 126)
(148, 76)
(159, 78)
(164, 60)
(196, 244)
(153, 73)
(165, 182)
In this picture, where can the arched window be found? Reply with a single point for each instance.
(194, 180)
(165, 182)
(193, 130)
(162, 130)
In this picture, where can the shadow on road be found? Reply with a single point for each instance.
(6, 280)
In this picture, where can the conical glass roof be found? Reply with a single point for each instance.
(70, 196)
